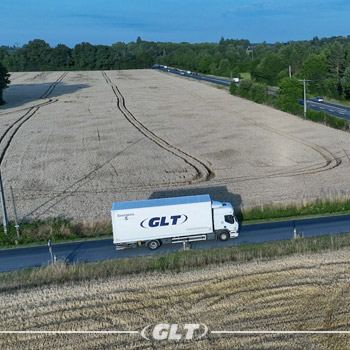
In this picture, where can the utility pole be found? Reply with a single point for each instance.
(3, 206)
(49, 243)
(15, 212)
(251, 49)
(305, 102)
(290, 71)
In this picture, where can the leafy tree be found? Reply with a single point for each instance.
(258, 92)
(104, 59)
(4, 81)
(290, 91)
(315, 68)
(37, 55)
(144, 60)
(3, 52)
(244, 88)
(282, 74)
(61, 57)
(335, 59)
(84, 56)
(333, 87)
(345, 83)
(267, 71)
(119, 54)
(233, 88)
(293, 54)
(205, 63)
(224, 67)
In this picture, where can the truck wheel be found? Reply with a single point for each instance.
(223, 235)
(153, 245)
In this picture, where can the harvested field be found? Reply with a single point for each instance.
(300, 293)
(72, 143)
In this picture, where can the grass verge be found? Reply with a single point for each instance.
(303, 209)
(57, 229)
(175, 262)
(246, 75)
(337, 102)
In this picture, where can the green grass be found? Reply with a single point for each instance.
(176, 262)
(327, 119)
(337, 102)
(304, 209)
(56, 229)
(245, 75)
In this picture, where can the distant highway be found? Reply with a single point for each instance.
(103, 249)
(193, 75)
(330, 108)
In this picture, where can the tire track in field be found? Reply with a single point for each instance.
(203, 172)
(50, 89)
(10, 132)
(330, 160)
(72, 189)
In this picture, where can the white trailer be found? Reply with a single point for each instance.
(176, 220)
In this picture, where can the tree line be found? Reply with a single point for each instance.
(4, 81)
(326, 61)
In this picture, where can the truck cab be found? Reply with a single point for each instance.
(224, 220)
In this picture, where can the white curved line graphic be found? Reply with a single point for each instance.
(143, 332)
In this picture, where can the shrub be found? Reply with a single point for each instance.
(258, 93)
(233, 88)
(290, 90)
(324, 118)
(244, 88)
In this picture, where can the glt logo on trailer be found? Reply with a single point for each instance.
(164, 221)
(164, 331)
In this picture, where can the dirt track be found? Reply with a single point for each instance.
(71, 144)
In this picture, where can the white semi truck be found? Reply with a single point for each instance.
(171, 220)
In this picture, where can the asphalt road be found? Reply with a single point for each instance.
(87, 251)
(193, 75)
(330, 108)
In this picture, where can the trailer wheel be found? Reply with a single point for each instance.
(223, 235)
(153, 244)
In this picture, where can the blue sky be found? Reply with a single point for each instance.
(107, 21)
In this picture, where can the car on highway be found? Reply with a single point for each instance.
(317, 99)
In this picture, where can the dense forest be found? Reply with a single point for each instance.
(326, 61)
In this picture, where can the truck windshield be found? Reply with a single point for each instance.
(229, 219)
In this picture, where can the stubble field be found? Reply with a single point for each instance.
(72, 143)
(301, 293)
